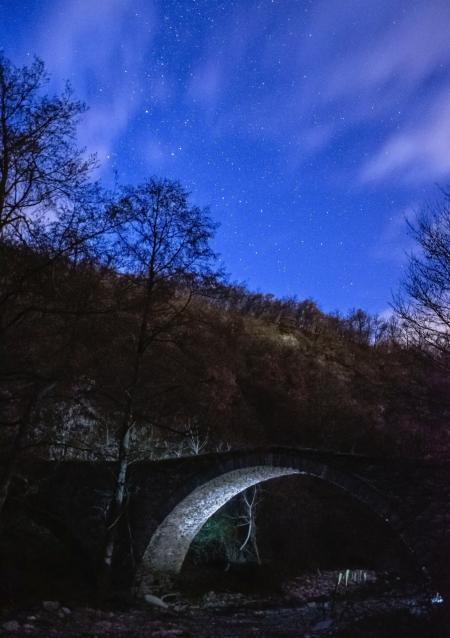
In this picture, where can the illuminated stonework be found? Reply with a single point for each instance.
(171, 541)
(170, 500)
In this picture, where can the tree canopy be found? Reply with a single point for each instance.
(424, 302)
(40, 163)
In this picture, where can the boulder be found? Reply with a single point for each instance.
(11, 625)
(323, 625)
(51, 605)
(155, 601)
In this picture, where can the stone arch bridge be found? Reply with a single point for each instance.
(169, 501)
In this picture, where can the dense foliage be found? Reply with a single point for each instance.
(115, 323)
(230, 369)
(121, 340)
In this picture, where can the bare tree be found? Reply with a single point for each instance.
(40, 163)
(49, 208)
(49, 214)
(196, 438)
(424, 301)
(249, 501)
(161, 247)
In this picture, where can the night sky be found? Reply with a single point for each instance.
(311, 129)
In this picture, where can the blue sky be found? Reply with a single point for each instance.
(311, 129)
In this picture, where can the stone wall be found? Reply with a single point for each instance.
(169, 500)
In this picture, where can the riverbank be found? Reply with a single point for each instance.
(313, 605)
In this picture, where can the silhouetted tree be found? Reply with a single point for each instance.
(161, 248)
(48, 226)
(40, 163)
(424, 301)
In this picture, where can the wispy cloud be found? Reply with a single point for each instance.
(207, 83)
(297, 75)
(100, 47)
(308, 76)
(421, 153)
(395, 243)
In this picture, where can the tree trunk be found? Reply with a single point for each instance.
(117, 509)
(117, 506)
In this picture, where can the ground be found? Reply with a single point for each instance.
(311, 605)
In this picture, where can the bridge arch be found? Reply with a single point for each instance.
(207, 492)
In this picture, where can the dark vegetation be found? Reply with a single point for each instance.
(120, 339)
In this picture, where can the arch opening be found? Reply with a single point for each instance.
(170, 543)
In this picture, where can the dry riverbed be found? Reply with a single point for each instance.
(311, 606)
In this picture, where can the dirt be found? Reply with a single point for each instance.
(313, 605)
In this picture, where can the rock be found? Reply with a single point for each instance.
(179, 608)
(29, 627)
(103, 626)
(11, 625)
(66, 611)
(32, 618)
(155, 601)
(323, 625)
(51, 605)
(210, 596)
